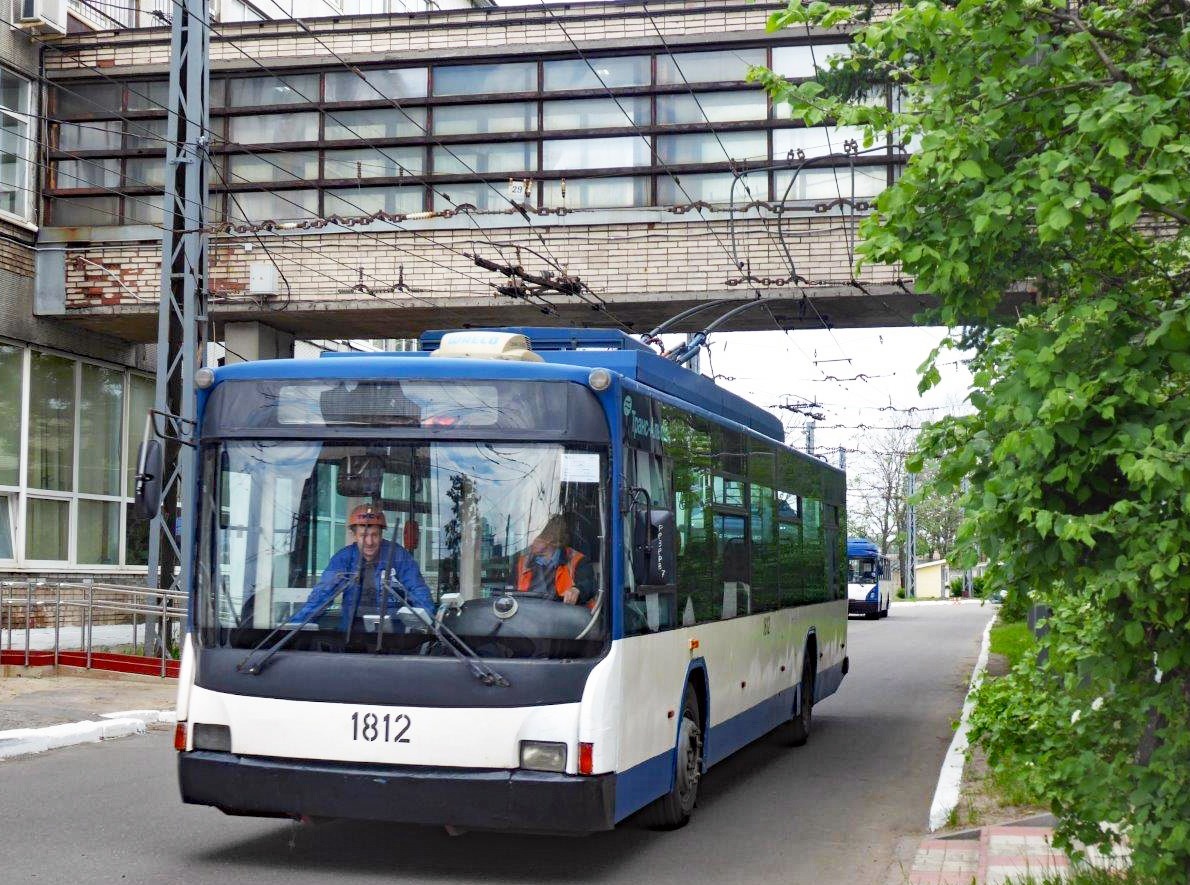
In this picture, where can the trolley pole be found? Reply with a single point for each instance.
(182, 314)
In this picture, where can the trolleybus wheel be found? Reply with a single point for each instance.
(673, 810)
(799, 728)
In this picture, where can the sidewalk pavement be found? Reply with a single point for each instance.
(997, 855)
(40, 712)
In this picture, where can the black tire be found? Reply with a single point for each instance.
(673, 810)
(884, 611)
(799, 727)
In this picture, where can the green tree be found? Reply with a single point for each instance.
(939, 513)
(1052, 151)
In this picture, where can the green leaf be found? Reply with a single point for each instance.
(970, 169)
(1134, 632)
(1118, 148)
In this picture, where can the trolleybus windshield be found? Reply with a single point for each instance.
(274, 530)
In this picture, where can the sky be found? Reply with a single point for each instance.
(825, 367)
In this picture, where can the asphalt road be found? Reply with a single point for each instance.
(834, 811)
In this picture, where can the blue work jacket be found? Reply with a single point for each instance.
(344, 565)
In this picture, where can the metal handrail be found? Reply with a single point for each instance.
(166, 605)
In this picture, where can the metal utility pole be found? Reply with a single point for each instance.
(910, 537)
(182, 315)
(810, 437)
(842, 458)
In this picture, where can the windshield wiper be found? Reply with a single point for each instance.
(255, 669)
(448, 638)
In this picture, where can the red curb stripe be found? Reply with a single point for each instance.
(109, 661)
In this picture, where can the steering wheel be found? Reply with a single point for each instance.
(596, 610)
(523, 615)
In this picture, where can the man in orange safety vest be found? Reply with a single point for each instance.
(551, 567)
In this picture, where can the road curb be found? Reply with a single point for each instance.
(27, 741)
(950, 778)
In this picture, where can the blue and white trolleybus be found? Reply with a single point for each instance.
(715, 607)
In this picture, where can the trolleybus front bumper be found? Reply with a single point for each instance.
(862, 607)
(460, 797)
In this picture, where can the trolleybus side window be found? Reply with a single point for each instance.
(817, 588)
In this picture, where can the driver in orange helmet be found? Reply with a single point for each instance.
(364, 563)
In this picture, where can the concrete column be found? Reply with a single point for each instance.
(255, 341)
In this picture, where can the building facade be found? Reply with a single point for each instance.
(380, 167)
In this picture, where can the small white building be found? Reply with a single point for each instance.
(932, 579)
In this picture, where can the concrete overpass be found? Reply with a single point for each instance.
(348, 207)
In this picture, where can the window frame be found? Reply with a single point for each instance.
(26, 117)
(21, 494)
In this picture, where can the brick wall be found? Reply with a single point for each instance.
(613, 259)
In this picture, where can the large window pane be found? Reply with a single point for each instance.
(266, 128)
(477, 194)
(249, 92)
(717, 107)
(815, 141)
(87, 173)
(145, 209)
(796, 62)
(51, 422)
(395, 83)
(468, 119)
(275, 166)
(374, 124)
(485, 79)
(279, 205)
(145, 171)
(149, 95)
(596, 153)
(101, 135)
(6, 537)
(83, 211)
(712, 148)
(101, 416)
(464, 159)
(391, 162)
(14, 91)
(47, 529)
(136, 541)
(141, 393)
(366, 200)
(717, 66)
(711, 188)
(596, 193)
(145, 134)
(830, 184)
(597, 113)
(609, 73)
(99, 533)
(11, 373)
(15, 150)
(88, 99)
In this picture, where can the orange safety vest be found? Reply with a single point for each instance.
(563, 574)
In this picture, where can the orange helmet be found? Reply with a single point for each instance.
(366, 515)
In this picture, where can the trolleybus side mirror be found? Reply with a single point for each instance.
(150, 463)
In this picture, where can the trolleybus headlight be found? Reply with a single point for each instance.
(600, 379)
(212, 737)
(204, 378)
(543, 756)
(873, 594)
